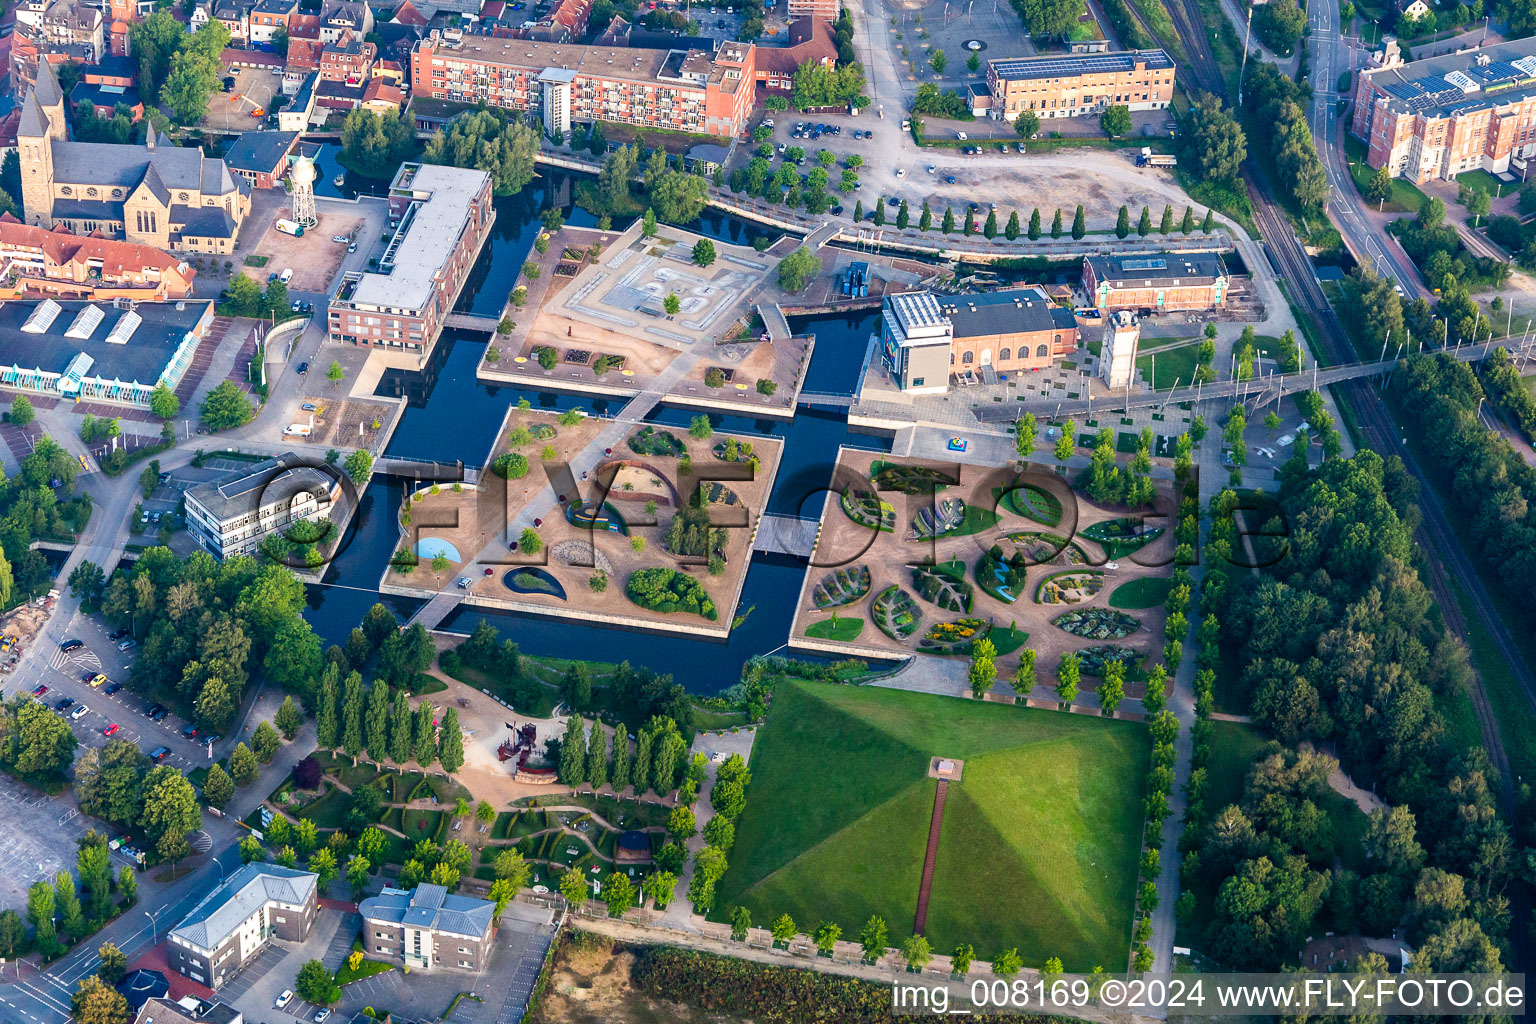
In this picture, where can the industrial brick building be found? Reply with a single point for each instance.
(1078, 84)
(680, 90)
(441, 217)
(1159, 282)
(927, 338)
(1443, 116)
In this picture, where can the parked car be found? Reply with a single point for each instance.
(161, 715)
(70, 645)
(160, 754)
(97, 679)
(284, 999)
(340, 239)
(465, 582)
(63, 704)
(39, 690)
(78, 713)
(303, 369)
(111, 730)
(112, 688)
(123, 645)
(309, 407)
(189, 731)
(121, 631)
(153, 710)
(949, 179)
(322, 1015)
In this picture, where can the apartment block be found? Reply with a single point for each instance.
(428, 927)
(1442, 116)
(441, 217)
(234, 517)
(1160, 282)
(236, 921)
(681, 90)
(1080, 84)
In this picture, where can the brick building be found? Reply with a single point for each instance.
(811, 41)
(442, 217)
(64, 265)
(428, 927)
(681, 90)
(347, 60)
(225, 931)
(1080, 84)
(1443, 116)
(1156, 282)
(926, 338)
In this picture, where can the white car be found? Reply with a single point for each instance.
(900, 173)
(322, 1015)
(340, 239)
(1111, 565)
(961, 136)
(465, 582)
(931, 168)
(1286, 441)
(80, 712)
(284, 999)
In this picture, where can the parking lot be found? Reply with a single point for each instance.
(40, 837)
(231, 111)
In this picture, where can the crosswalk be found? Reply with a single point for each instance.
(84, 658)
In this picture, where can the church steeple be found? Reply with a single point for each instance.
(50, 98)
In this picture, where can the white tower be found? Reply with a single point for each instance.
(1117, 356)
(301, 183)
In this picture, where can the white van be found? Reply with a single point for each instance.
(286, 275)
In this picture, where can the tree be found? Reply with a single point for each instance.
(960, 959)
(1067, 442)
(1208, 223)
(87, 581)
(357, 874)
(1056, 224)
(218, 788)
(700, 429)
(1079, 224)
(376, 721)
(1034, 224)
(1027, 123)
(1112, 686)
(97, 1002)
(1123, 223)
(948, 226)
(925, 221)
(21, 411)
(451, 742)
(1165, 226)
(170, 804)
(1116, 120)
(113, 963)
(983, 669)
(327, 715)
(265, 742)
(916, 952)
(938, 60)
(251, 850)
(796, 270)
(243, 766)
(486, 141)
(904, 217)
(289, 719)
(872, 937)
(648, 223)
(1026, 432)
(680, 822)
(782, 929)
(1144, 225)
(597, 757)
(1379, 188)
(741, 923)
(424, 745)
(703, 252)
(678, 197)
(1024, 675)
(1068, 673)
(13, 934)
(1214, 143)
(1011, 230)
(573, 886)
(618, 893)
(315, 984)
(226, 407)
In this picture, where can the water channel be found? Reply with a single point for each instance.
(451, 415)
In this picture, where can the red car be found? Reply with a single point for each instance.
(40, 690)
(110, 730)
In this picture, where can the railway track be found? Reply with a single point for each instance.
(1444, 556)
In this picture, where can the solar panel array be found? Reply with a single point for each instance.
(1079, 64)
(1144, 264)
(1453, 90)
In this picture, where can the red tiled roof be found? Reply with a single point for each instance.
(60, 247)
(814, 43)
(407, 14)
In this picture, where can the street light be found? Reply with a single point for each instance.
(152, 927)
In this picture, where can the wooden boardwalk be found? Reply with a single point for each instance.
(930, 858)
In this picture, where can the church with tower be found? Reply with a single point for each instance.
(155, 194)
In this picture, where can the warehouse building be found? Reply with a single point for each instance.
(1160, 282)
(927, 338)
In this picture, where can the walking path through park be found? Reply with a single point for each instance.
(930, 859)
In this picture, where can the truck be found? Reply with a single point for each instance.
(1147, 158)
(290, 227)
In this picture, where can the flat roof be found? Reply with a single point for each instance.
(1456, 82)
(431, 233)
(161, 328)
(269, 481)
(1074, 64)
(640, 65)
(1144, 268)
(1014, 311)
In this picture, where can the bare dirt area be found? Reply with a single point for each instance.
(232, 111)
(337, 422)
(314, 259)
(24, 623)
(590, 984)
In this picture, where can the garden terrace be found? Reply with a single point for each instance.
(944, 585)
(1093, 659)
(1040, 548)
(1001, 575)
(584, 564)
(1032, 502)
(890, 476)
(868, 509)
(896, 613)
(1120, 537)
(953, 637)
(1097, 623)
(841, 586)
(1048, 817)
(1069, 587)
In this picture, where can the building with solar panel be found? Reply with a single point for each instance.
(1444, 116)
(1162, 282)
(234, 517)
(99, 351)
(1080, 84)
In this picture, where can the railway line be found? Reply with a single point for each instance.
(1445, 558)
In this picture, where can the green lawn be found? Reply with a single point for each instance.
(1406, 196)
(1480, 178)
(330, 811)
(1146, 592)
(345, 975)
(843, 629)
(1174, 365)
(419, 824)
(1047, 819)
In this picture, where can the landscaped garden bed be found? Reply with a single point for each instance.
(667, 590)
(1032, 502)
(649, 441)
(953, 637)
(1001, 575)
(867, 509)
(1122, 536)
(889, 476)
(531, 580)
(732, 450)
(895, 613)
(1040, 547)
(1071, 587)
(944, 585)
(842, 586)
(1093, 659)
(1097, 623)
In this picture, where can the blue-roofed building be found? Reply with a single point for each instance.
(236, 921)
(428, 927)
(1444, 116)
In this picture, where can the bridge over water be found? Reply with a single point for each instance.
(785, 535)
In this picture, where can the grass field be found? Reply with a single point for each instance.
(1146, 592)
(842, 629)
(1406, 196)
(1173, 365)
(1039, 843)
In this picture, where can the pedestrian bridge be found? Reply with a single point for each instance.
(471, 322)
(785, 535)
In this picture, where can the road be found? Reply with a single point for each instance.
(1366, 238)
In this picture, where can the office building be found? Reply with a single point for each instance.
(1443, 116)
(236, 921)
(104, 352)
(1159, 282)
(927, 338)
(428, 927)
(680, 90)
(234, 517)
(442, 216)
(187, 1010)
(1079, 84)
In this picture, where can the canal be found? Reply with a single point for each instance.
(450, 415)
